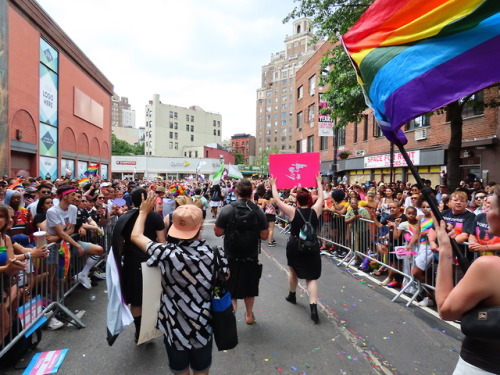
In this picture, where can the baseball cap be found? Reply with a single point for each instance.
(105, 184)
(30, 190)
(186, 222)
(160, 189)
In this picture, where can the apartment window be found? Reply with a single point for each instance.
(312, 85)
(175, 114)
(300, 119)
(192, 128)
(300, 92)
(196, 154)
(176, 145)
(170, 145)
(215, 123)
(283, 122)
(365, 128)
(187, 117)
(310, 143)
(283, 114)
(192, 137)
(171, 135)
(376, 129)
(176, 125)
(419, 122)
(310, 114)
(215, 132)
(218, 133)
(298, 147)
(171, 125)
(323, 143)
(187, 127)
(355, 133)
(175, 135)
(218, 124)
(192, 118)
(341, 136)
(171, 114)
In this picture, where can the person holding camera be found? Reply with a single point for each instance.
(478, 288)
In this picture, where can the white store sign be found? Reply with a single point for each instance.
(384, 161)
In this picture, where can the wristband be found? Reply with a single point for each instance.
(27, 256)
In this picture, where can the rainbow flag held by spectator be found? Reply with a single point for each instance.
(84, 181)
(415, 56)
(92, 170)
(64, 260)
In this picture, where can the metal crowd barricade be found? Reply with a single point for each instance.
(37, 294)
(360, 239)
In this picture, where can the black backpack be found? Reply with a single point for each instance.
(307, 240)
(243, 233)
(21, 346)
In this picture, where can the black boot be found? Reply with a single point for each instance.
(292, 297)
(137, 323)
(314, 313)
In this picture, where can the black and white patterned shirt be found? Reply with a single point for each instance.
(187, 275)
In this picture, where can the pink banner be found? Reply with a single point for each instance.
(294, 170)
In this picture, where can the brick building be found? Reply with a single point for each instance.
(276, 96)
(244, 144)
(428, 138)
(54, 103)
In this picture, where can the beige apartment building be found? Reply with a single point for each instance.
(276, 96)
(169, 129)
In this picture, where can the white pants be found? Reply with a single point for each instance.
(464, 368)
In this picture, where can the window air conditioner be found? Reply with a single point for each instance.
(420, 134)
(360, 153)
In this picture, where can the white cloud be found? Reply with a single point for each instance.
(192, 52)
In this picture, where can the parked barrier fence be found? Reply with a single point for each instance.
(32, 297)
(361, 240)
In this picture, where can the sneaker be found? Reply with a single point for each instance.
(274, 241)
(394, 284)
(100, 275)
(426, 302)
(84, 280)
(342, 254)
(54, 324)
(271, 244)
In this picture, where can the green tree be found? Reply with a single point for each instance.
(344, 96)
(123, 148)
(239, 158)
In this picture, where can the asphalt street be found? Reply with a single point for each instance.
(361, 331)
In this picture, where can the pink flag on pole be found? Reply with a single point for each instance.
(294, 170)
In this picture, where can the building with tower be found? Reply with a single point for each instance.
(275, 122)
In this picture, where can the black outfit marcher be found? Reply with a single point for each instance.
(245, 268)
(131, 280)
(307, 265)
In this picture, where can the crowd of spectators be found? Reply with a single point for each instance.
(375, 216)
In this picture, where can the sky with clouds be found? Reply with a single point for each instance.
(191, 52)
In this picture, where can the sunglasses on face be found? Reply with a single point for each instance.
(480, 197)
(100, 197)
(45, 192)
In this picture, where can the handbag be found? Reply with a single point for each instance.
(482, 323)
(223, 318)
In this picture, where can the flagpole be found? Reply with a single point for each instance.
(427, 193)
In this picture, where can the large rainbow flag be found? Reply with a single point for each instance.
(415, 56)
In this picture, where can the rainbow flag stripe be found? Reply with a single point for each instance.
(83, 181)
(92, 170)
(415, 56)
